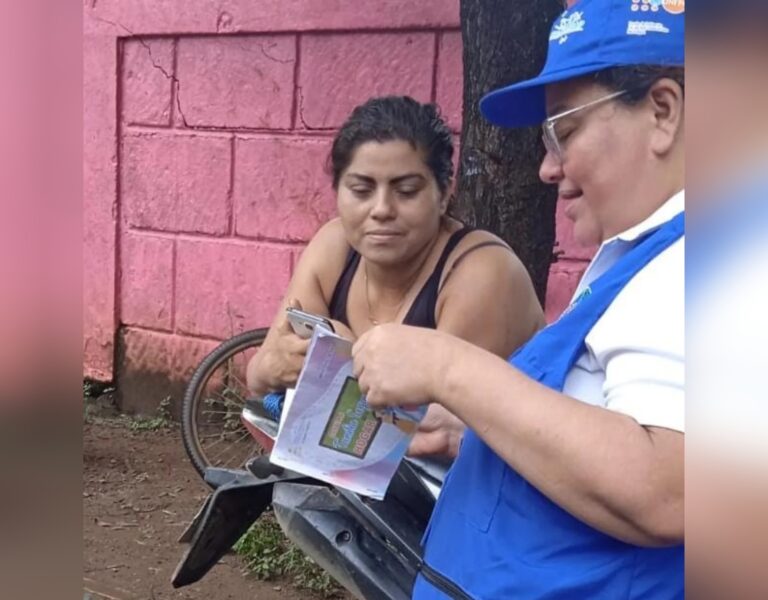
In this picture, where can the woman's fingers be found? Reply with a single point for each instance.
(359, 346)
(299, 345)
(429, 442)
(386, 369)
(375, 399)
(285, 325)
(365, 376)
(357, 369)
(360, 354)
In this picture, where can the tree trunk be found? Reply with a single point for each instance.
(498, 183)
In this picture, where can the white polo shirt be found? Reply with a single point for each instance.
(635, 358)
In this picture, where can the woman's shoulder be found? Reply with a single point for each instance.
(480, 245)
(481, 236)
(326, 254)
(486, 294)
(482, 259)
(330, 237)
(470, 236)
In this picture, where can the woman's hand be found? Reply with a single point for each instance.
(398, 365)
(439, 432)
(278, 363)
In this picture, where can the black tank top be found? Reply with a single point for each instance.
(422, 311)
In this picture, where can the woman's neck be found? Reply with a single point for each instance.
(646, 199)
(394, 280)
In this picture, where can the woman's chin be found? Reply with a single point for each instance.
(585, 235)
(381, 255)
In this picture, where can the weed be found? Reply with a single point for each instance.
(162, 419)
(270, 555)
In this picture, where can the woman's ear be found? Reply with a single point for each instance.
(667, 101)
(446, 198)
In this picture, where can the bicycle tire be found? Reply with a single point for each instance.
(196, 387)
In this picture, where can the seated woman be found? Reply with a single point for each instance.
(393, 254)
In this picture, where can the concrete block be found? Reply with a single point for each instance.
(281, 189)
(340, 71)
(563, 279)
(152, 366)
(450, 78)
(147, 81)
(146, 281)
(204, 16)
(99, 200)
(177, 183)
(237, 81)
(224, 288)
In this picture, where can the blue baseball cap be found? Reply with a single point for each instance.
(590, 36)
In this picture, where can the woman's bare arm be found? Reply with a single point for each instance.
(278, 362)
(556, 442)
(489, 301)
(599, 465)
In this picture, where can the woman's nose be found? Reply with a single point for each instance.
(383, 207)
(551, 169)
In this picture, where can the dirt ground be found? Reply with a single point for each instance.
(139, 493)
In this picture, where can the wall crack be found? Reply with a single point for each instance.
(156, 65)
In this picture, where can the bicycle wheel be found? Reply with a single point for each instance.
(211, 429)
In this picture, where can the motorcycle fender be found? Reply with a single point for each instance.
(223, 519)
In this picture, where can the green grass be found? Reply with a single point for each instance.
(148, 423)
(270, 555)
(162, 419)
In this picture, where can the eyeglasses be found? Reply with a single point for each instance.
(549, 135)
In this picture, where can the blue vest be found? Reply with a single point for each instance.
(495, 536)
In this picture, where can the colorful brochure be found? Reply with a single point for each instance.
(328, 431)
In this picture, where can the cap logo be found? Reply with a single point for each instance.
(675, 7)
(646, 5)
(566, 26)
(645, 27)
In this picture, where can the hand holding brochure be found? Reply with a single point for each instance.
(329, 432)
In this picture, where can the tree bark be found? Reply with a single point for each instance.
(498, 184)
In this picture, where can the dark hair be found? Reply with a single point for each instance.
(637, 80)
(392, 118)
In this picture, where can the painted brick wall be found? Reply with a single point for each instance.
(206, 136)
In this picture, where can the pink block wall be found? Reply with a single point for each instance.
(206, 132)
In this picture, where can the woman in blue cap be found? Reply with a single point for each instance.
(569, 480)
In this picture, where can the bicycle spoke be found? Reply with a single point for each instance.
(239, 381)
(236, 456)
(218, 429)
(217, 436)
(223, 436)
(236, 400)
(230, 373)
(220, 434)
(221, 439)
(245, 435)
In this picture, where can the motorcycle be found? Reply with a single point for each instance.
(372, 548)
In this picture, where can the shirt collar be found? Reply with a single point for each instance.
(667, 211)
